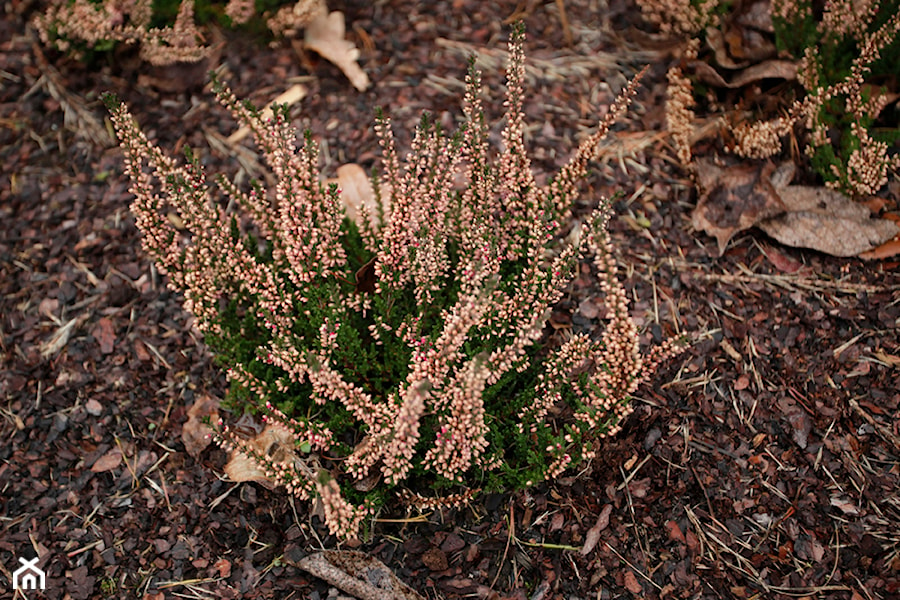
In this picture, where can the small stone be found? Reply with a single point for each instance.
(93, 408)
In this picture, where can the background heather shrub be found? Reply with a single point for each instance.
(165, 30)
(844, 112)
(404, 351)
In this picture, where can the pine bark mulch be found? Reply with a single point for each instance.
(762, 463)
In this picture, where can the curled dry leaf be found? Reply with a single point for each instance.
(770, 69)
(736, 198)
(325, 35)
(195, 433)
(274, 442)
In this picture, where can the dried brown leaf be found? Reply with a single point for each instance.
(675, 533)
(356, 190)
(827, 221)
(734, 199)
(593, 535)
(274, 442)
(705, 73)
(223, 567)
(886, 250)
(632, 584)
(195, 433)
(290, 96)
(781, 262)
(325, 35)
(770, 69)
(108, 461)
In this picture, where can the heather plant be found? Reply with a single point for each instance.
(403, 353)
(166, 31)
(683, 17)
(847, 52)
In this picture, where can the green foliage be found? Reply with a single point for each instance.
(831, 57)
(108, 587)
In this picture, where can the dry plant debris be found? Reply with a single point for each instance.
(325, 35)
(712, 493)
(358, 574)
(736, 198)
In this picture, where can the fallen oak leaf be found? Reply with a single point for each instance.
(828, 221)
(325, 36)
(276, 444)
(737, 198)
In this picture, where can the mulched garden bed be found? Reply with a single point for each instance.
(764, 462)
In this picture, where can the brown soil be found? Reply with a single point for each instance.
(762, 463)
